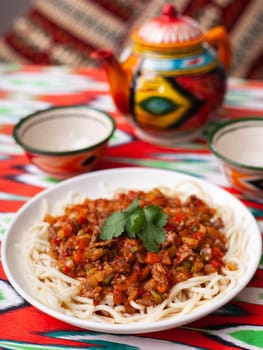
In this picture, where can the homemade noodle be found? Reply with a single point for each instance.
(60, 292)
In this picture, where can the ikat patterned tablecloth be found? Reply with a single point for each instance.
(25, 89)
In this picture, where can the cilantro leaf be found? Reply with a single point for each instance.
(133, 207)
(135, 222)
(114, 226)
(152, 236)
(156, 215)
(146, 223)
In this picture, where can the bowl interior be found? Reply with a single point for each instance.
(64, 129)
(239, 142)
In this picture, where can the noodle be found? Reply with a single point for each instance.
(60, 291)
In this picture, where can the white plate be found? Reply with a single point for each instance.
(94, 185)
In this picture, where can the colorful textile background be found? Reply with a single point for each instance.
(66, 31)
(24, 89)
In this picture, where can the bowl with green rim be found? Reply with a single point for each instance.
(65, 141)
(238, 145)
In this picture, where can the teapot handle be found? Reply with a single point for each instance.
(219, 38)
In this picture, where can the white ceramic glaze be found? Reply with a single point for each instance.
(238, 145)
(103, 183)
(241, 142)
(64, 129)
(65, 141)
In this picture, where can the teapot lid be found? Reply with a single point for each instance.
(170, 30)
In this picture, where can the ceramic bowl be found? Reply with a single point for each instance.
(65, 141)
(238, 144)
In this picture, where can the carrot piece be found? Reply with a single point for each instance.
(119, 295)
(134, 277)
(161, 288)
(83, 242)
(152, 258)
(77, 256)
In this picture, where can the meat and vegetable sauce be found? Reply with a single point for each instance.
(128, 263)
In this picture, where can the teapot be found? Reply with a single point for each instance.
(173, 81)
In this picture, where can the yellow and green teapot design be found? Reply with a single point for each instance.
(174, 79)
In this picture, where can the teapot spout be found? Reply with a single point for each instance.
(117, 78)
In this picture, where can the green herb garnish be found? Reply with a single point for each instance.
(146, 223)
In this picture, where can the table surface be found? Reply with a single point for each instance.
(24, 89)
